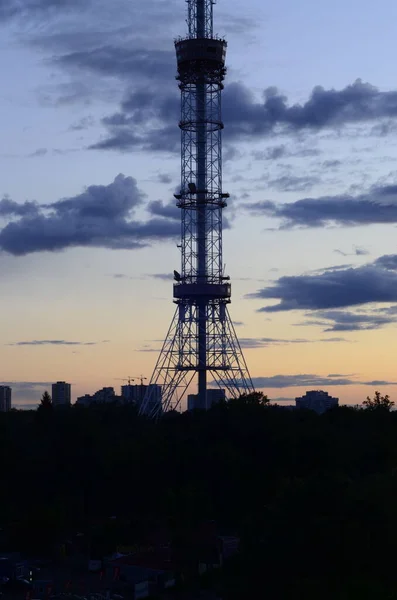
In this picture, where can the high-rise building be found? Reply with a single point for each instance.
(105, 395)
(61, 393)
(317, 400)
(213, 397)
(136, 393)
(5, 398)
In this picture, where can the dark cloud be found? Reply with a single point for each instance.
(169, 210)
(123, 61)
(238, 323)
(244, 117)
(147, 120)
(9, 208)
(10, 9)
(98, 217)
(334, 289)
(388, 261)
(379, 205)
(358, 102)
(55, 343)
(310, 381)
(350, 321)
(338, 320)
(124, 138)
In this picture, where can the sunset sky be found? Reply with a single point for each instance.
(89, 162)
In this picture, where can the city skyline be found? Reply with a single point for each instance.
(90, 162)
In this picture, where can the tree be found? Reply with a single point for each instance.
(45, 402)
(378, 402)
(253, 399)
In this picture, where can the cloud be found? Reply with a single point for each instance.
(101, 217)
(147, 348)
(82, 124)
(293, 183)
(161, 209)
(337, 288)
(24, 405)
(25, 384)
(27, 390)
(10, 9)
(244, 116)
(162, 276)
(332, 164)
(378, 205)
(251, 343)
(9, 208)
(310, 381)
(38, 153)
(349, 321)
(164, 178)
(337, 320)
(55, 343)
(282, 399)
(282, 151)
(357, 251)
(122, 61)
(387, 261)
(356, 103)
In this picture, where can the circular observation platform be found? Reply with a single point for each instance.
(209, 291)
(206, 50)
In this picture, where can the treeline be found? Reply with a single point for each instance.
(312, 497)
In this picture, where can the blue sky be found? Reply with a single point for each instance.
(89, 162)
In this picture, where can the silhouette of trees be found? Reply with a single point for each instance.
(45, 402)
(378, 402)
(304, 492)
(252, 399)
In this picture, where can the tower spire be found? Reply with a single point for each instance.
(201, 338)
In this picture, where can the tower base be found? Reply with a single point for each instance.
(177, 363)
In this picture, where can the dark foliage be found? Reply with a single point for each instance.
(312, 497)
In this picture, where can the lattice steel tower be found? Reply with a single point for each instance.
(201, 338)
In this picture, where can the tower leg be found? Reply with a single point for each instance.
(169, 382)
(202, 356)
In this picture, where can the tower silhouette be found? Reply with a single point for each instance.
(201, 338)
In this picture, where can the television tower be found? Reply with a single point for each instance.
(201, 338)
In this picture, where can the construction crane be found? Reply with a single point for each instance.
(141, 378)
(128, 379)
